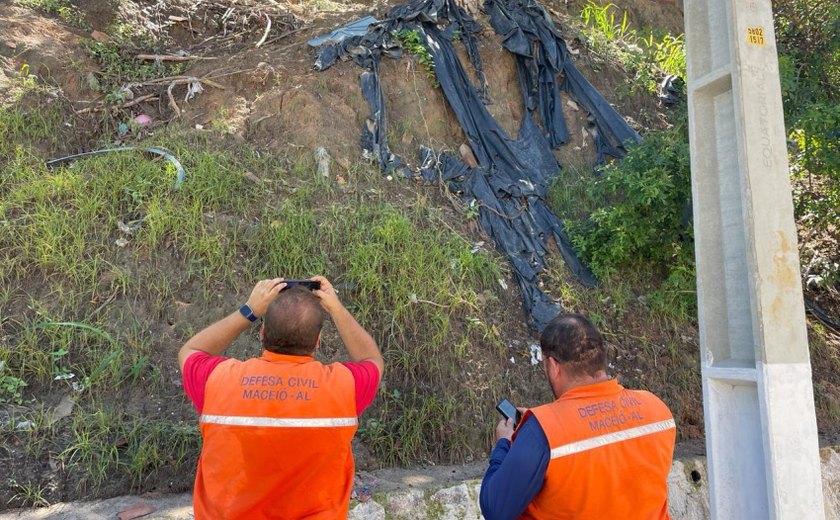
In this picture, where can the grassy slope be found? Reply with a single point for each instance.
(78, 309)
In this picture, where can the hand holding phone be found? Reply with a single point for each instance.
(509, 411)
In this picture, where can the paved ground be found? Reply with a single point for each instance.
(174, 507)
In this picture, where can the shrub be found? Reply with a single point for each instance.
(645, 217)
(640, 222)
(809, 68)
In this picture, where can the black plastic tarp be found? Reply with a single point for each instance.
(513, 175)
(545, 68)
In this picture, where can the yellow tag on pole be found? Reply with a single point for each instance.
(755, 36)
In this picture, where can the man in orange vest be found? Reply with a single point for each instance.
(277, 429)
(599, 451)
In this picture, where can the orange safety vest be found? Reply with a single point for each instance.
(611, 451)
(277, 432)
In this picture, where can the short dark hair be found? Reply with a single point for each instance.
(573, 340)
(293, 322)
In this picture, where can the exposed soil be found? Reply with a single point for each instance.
(274, 101)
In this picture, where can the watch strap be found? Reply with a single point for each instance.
(248, 313)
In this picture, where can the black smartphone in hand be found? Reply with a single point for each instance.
(509, 411)
(312, 285)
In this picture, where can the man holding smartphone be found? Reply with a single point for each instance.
(277, 429)
(599, 451)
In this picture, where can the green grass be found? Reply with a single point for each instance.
(27, 120)
(107, 443)
(29, 493)
(63, 9)
(647, 58)
(84, 315)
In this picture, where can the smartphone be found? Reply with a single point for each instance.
(312, 285)
(509, 411)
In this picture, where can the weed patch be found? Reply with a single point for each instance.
(63, 9)
(31, 117)
(29, 493)
(635, 217)
(411, 40)
(118, 66)
(647, 57)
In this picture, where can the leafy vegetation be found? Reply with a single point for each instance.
(646, 58)
(412, 41)
(648, 196)
(63, 9)
(809, 66)
(632, 221)
(118, 64)
(638, 218)
(11, 387)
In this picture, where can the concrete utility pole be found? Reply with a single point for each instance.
(761, 431)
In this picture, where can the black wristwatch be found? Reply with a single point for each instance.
(246, 311)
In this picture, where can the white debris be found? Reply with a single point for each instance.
(536, 354)
(323, 160)
(194, 88)
(24, 425)
(125, 228)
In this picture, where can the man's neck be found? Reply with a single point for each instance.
(584, 380)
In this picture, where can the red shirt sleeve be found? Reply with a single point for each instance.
(366, 376)
(197, 369)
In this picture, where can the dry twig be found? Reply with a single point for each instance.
(133, 102)
(171, 82)
(285, 34)
(171, 57)
(180, 80)
(172, 104)
(267, 30)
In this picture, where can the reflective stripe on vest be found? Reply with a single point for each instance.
(232, 420)
(611, 438)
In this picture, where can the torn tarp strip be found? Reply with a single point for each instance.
(179, 179)
(374, 134)
(356, 28)
(613, 130)
(524, 27)
(515, 167)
